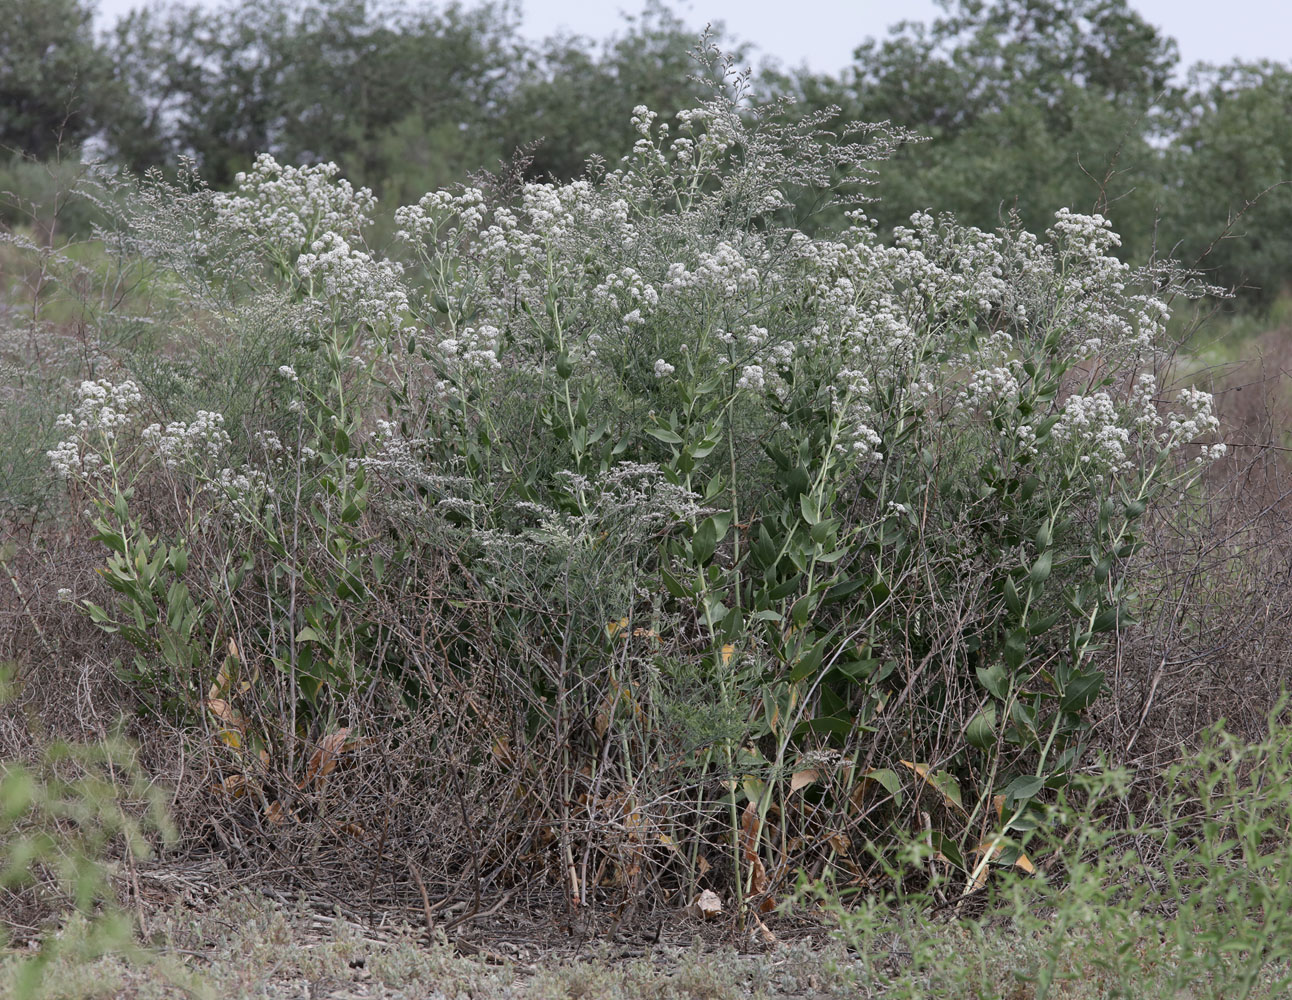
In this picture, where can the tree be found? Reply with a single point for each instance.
(1026, 105)
(393, 92)
(579, 101)
(1230, 205)
(54, 79)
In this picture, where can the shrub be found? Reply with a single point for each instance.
(697, 526)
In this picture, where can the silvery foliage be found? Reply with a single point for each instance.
(678, 268)
(675, 269)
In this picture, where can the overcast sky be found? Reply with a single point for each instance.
(823, 33)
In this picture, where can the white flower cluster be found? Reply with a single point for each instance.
(725, 271)
(958, 268)
(102, 406)
(179, 441)
(989, 387)
(66, 460)
(1094, 425)
(244, 483)
(751, 377)
(355, 282)
(441, 216)
(291, 206)
(629, 293)
(947, 319)
(102, 409)
(472, 348)
(1197, 421)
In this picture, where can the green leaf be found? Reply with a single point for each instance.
(1040, 571)
(704, 542)
(1011, 597)
(948, 849)
(308, 634)
(665, 435)
(826, 725)
(1081, 692)
(673, 585)
(703, 449)
(1016, 648)
(993, 679)
(842, 590)
(888, 780)
(1023, 787)
(1105, 621)
(785, 588)
(1042, 625)
(809, 509)
(802, 608)
(945, 782)
(981, 731)
(809, 663)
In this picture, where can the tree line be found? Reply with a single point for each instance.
(1022, 106)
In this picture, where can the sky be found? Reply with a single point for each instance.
(823, 33)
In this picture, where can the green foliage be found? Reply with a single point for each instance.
(1025, 107)
(54, 80)
(1234, 214)
(1189, 896)
(576, 100)
(399, 95)
(641, 441)
(63, 821)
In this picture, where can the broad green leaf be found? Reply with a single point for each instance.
(981, 730)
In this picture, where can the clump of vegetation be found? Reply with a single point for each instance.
(1193, 904)
(662, 538)
(67, 818)
(723, 546)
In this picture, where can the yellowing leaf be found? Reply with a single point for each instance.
(233, 786)
(762, 931)
(234, 725)
(668, 842)
(839, 842)
(324, 760)
(230, 738)
(501, 749)
(994, 846)
(750, 828)
(614, 628)
(728, 651)
(801, 779)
